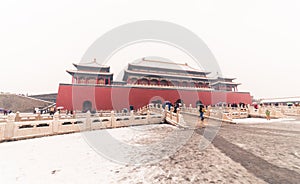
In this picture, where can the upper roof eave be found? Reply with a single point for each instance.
(224, 78)
(188, 68)
(90, 65)
(87, 72)
(166, 75)
(223, 82)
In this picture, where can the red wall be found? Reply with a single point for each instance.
(107, 98)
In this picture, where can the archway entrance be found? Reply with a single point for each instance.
(87, 106)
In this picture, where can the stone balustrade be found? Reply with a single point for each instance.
(21, 126)
(168, 116)
(219, 113)
(275, 112)
(15, 128)
(289, 110)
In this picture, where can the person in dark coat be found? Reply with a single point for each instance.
(175, 107)
(201, 110)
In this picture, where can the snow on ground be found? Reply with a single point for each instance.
(54, 159)
(70, 159)
(261, 120)
(60, 159)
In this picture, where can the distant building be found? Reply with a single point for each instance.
(284, 101)
(144, 81)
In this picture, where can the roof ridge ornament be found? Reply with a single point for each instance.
(91, 62)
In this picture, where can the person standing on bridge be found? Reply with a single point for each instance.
(201, 110)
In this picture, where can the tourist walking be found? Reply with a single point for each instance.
(201, 110)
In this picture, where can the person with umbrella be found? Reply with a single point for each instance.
(168, 104)
(201, 110)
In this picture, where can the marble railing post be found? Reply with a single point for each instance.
(101, 114)
(207, 113)
(9, 126)
(18, 117)
(260, 110)
(74, 115)
(171, 112)
(38, 117)
(113, 119)
(131, 118)
(88, 121)
(55, 123)
(166, 112)
(250, 109)
(230, 113)
(148, 116)
(177, 115)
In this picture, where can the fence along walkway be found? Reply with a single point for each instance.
(179, 119)
(18, 127)
(224, 114)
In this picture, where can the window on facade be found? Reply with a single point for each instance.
(91, 81)
(144, 81)
(81, 80)
(163, 82)
(101, 81)
(154, 82)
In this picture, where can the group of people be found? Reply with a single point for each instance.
(51, 111)
(178, 104)
(6, 112)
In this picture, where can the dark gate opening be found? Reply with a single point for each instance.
(87, 106)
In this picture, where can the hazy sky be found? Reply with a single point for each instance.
(257, 41)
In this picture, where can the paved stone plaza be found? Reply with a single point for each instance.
(240, 153)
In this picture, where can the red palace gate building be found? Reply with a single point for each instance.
(145, 81)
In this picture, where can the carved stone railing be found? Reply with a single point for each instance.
(289, 110)
(215, 113)
(15, 128)
(275, 112)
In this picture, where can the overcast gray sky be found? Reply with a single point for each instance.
(256, 41)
